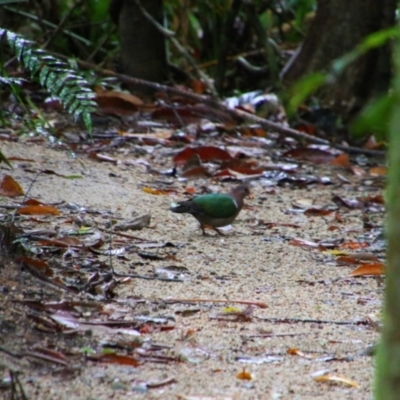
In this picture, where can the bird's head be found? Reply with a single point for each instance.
(241, 191)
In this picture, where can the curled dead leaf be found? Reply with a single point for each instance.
(337, 379)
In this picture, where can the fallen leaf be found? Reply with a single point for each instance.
(297, 352)
(317, 156)
(102, 157)
(40, 266)
(350, 203)
(336, 378)
(243, 166)
(194, 168)
(198, 86)
(157, 192)
(114, 359)
(40, 209)
(378, 171)
(317, 212)
(341, 160)
(4, 159)
(374, 199)
(244, 375)
(356, 258)
(138, 223)
(9, 187)
(190, 190)
(303, 243)
(67, 241)
(206, 154)
(177, 115)
(118, 103)
(357, 171)
(354, 245)
(369, 269)
(372, 144)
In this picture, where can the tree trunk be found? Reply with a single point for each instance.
(143, 52)
(339, 26)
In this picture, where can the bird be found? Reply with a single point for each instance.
(214, 209)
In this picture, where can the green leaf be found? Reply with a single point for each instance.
(379, 38)
(371, 42)
(304, 88)
(87, 119)
(374, 118)
(3, 158)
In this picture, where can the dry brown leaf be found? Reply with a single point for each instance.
(316, 156)
(354, 245)
(114, 359)
(118, 103)
(9, 187)
(40, 266)
(378, 171)
(369, 269)
(206, 154)
(341, 161)
(245, 375)
(156, 192)
(39, 209)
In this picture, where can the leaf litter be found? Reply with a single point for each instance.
(166, 295)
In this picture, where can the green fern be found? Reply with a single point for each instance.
(55, 75)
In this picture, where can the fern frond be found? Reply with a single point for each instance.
(55, 75)
(8, 81)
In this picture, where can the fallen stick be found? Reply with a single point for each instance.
(251, 303)
(215, 104)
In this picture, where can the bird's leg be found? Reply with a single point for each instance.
(203, 228)
(218, 231)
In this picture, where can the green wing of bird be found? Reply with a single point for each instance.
(216, 205)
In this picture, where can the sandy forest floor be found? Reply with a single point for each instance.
(318, 320)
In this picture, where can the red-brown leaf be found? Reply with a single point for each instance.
(206, 154)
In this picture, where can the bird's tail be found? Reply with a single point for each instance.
(179, 208)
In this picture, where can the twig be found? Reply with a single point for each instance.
(214, 104)
(269, 335)
(26, 195)
(10, 353)
(149, 278)
(170, 35)
(16, 383)
(101, 43)
(110, 253)
(313, 321)
(252, 303)
(47, 280)
(167, 381)
(225, 42)
(60, 26)
(125, 235)
(46, 357)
